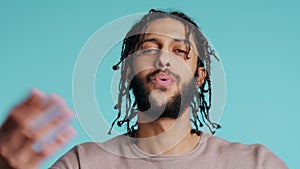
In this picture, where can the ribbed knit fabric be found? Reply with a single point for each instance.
(211, 153)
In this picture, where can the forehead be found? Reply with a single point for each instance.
(170, 27)
(167, 27)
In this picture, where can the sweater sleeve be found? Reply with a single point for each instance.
(269, 160)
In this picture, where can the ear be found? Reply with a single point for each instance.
(201, 75)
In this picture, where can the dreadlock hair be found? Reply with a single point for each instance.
(200, 105)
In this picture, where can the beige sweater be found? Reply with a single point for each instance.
(211, 153)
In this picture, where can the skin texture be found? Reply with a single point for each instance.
(22, 129)
(166, 135)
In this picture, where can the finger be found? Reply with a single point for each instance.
(26, 155)
(29, 109)
(57, 98)
(53, 130)
(56, 110)
(53, 118)
(37, 99)
(60, 141)
(48, 138)
(52, 148)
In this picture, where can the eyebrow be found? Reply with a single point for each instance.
(185, 41)
(150, 40)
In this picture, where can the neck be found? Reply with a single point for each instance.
(167, 135)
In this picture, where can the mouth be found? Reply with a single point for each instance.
(162, 79)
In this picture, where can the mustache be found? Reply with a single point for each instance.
(167, 71)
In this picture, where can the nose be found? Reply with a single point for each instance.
(163, 60)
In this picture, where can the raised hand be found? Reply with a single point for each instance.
(34, 130)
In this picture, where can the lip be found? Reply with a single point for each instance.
(162, 79)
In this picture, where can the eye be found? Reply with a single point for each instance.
(149, 45)
(147, 52)
(180, 52)
(150, 51)
(181, 49)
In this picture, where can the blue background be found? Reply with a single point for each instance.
(256, 40)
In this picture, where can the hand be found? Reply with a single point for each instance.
(34, 130)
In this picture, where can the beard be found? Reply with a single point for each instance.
(174, 106)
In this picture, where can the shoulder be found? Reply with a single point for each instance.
(86, 153)
(255, 155)
(73, 157)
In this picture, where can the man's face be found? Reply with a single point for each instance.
(163, 77)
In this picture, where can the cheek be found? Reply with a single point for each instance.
(141, 76)
(193, 63)
(142, 64)
(185, 70)
(138, 83)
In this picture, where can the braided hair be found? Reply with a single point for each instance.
(201, 103)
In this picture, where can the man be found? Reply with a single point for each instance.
(165, 62)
